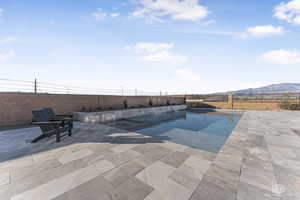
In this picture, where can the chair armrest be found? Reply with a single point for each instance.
(60, 119)
(50, 122)
(64, 116)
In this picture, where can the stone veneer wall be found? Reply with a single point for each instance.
(16, 108)
(108, 116)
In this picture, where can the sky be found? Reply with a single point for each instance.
(178, 46)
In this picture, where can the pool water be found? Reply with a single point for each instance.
(203, 129)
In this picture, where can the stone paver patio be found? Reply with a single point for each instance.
(260, 160)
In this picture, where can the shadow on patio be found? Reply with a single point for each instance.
(15, 144)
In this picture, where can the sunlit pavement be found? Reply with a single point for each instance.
(260, 160)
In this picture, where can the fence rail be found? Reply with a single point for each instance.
(246, 97)
(35, 86)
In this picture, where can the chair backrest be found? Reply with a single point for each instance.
(50, 112)
(43, 116)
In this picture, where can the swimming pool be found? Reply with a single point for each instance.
(198, 128)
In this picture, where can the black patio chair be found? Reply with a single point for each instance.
(65, 118)
(51, 126)
(52, 114)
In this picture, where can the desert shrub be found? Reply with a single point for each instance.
(168, 102)
(150, 103)
(287, 103)
(125, 103)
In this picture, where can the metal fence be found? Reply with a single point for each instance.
(245, 97)
(274, 96)
(208, 98)
(36, 86)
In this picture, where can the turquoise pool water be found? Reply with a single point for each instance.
(203, 129)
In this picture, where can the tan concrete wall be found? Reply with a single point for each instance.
(241, 105)
(16, 108)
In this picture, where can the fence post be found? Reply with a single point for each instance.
(230, 100)
(35, 86)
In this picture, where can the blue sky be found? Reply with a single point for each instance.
(156, 45)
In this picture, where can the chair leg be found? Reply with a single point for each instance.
(38, 138)
(57, 134)
(70, 127)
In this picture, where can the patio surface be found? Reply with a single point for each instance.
(260, 161)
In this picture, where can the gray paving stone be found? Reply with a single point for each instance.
(282, 151)
(288, 180)
(33, 170)
(257, 141)
(75, 155)
(101, 147)
(153, 155)
(258, 159)
(289, 163)
(297, 153)
(120, 174)
(173, 146)
(33, 181)
(123, 157)
(62, 197)
(283, 141)
(229, 162)
(228, 177)
(258, 177)
(211, 188)
(175, 159)
(205, 154)
(95, 157)
(157, 176)
(95, 189)
(151, 148)
(4, 178)
(198, 164)
(122, 147)
(186, 176)
(249, 192)
(131, 189)
(60, 185)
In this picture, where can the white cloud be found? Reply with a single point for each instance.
(152, 47)
(164, 57)
(212, 21)
(263, 31)
(281, 57)
(7, 40)
(156, 10)
(1, 12)
(187, 75)
(156, 52)
(115, 14)
(251, 32)
(127, 48)
(289, 12)
(101, 16)
(7, 56)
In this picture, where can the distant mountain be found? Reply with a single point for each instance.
(271, 89)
